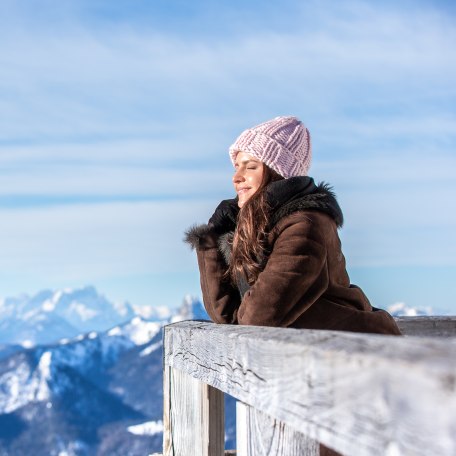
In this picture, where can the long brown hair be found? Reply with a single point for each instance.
(250, 238)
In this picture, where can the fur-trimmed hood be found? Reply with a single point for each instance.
(284, 197)
(302, 194)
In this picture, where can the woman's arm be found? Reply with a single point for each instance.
(294, 277)
(220, 298)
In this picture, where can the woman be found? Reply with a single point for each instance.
(272, 255)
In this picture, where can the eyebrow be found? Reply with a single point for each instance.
(247, 160)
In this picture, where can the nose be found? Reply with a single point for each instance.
(238, 176)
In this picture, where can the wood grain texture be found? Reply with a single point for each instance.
(427, 326)
(167, 426)
(260, 435)
(362, 394)
(193, 416)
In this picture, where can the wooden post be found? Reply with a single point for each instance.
(257, 434)
(194, 421)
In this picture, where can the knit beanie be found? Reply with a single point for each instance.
(282, 143)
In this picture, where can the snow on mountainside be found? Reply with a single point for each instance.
(191, 309)
(32, 327)
(31, 373)
(49, 316)
(400, 309)
(94, 393)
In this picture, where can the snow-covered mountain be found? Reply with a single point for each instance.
(50, 316)
(97, 393)
(191, 309)
(400, 309)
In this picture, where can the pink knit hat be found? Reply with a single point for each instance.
(282, 143)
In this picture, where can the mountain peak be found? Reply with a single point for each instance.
(51, 315)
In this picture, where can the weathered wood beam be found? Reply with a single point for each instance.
(360, 394)
(194, 421)
(427, 326)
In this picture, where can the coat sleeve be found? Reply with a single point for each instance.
(294, 277)
(221, 299)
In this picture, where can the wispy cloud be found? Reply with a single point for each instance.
(63, 82)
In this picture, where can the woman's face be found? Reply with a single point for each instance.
(247, 177)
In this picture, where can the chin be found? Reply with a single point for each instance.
(242, 203)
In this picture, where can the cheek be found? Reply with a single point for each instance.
(258, 179)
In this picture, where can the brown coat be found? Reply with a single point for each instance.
(304, 283)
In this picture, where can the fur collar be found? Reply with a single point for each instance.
(302, 194)
(285, 197)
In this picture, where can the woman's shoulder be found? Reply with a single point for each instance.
(307, 222)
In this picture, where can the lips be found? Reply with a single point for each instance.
(242, 190)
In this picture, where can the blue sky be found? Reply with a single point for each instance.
(116, 118)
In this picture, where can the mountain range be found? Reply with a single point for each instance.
(52, 315)
(91, 384)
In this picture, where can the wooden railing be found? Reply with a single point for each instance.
(359, 394)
